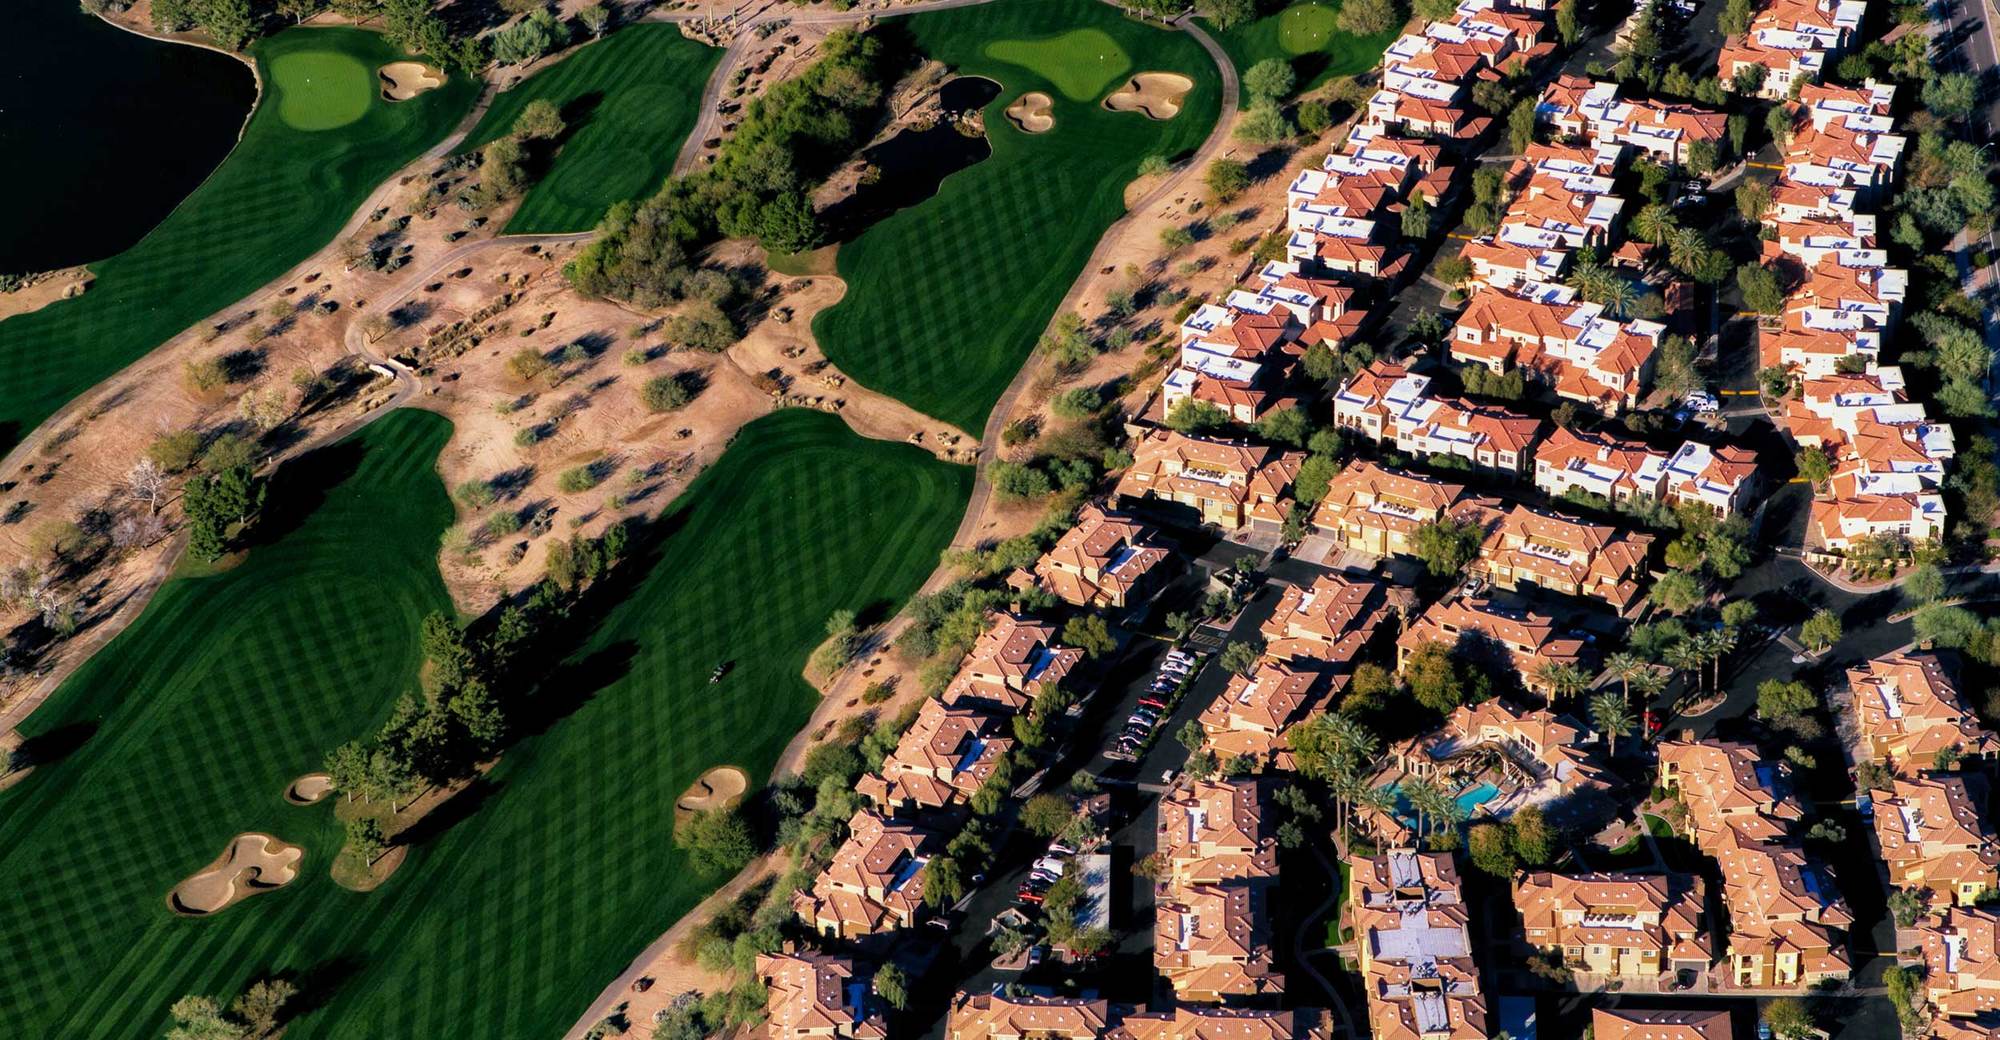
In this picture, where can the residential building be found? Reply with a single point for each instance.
(1525, 639)
(875, 883)
(1011, 663)
(1667, 131)
(1793, 41)
(1908, 708)
(1552, 336)
(1227, 483)
(1254, 711)
(1961, 954)
(816, 996)
(1719, 480)
(996, 1016)
(1623, 1023)
(1563, 554)
(1374, 510)
(1414, 947)
(1107, 560)
(1620, 927)
(1536, 746)
(1389, 404)
(1213, 831)
(1933, 833)
(942, 759)
(1327, 623)
(1188, 1022)
(1213, 942)
(1841, 523)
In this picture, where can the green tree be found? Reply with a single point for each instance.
(1778, 700)
(1822, 630)
(1951, 94)
(1241, 657)
(1047, 815)
(1677, 592)
(1433, 678)
(1788, 1017)
(1225, 179)
(1521, 125)
(541, 120)
(1227, 14)
(1368, 17)
(944, 882)
(1534, 840)
(1760, 289)
(717, 841)
(1269, 80)
(1263, 123)
(1417, 218)
(1924, 585)
(1815, 465)
(1562, 679)
(1285, 426)
(1087, 632)
(261, 1004)
(201, 1018)
(1447, 545)
(1490, 850)
(892, 986)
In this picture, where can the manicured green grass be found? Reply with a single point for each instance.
(1081, 62)
(630, 100)
(322, 89)
(945, 299)
(508, 923)
(1305, 34)
(282, 194)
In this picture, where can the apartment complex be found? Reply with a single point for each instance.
(1562, 554)
(1617, 927)
(1933, 833)
(1793, 42)
(1720, 480)
(1412, 937)
(1908, 708)
(1212, 931)
(1231, 484)
(1524, 639)
(1553, 336)
(1389, 404)
(1537, 745)
(816, 996)
(1107, 560)
(875, 882)
(1667, 131)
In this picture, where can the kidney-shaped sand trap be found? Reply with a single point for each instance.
(251, 864)
(309, 788)
(1030, 112)
(403, 80)
(1156, 95)
(719, 788)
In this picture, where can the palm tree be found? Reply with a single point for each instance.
(1563, 679)
(1623, 666)
(1618, 296)
(1381, 799)
(1653, 223)
(1685, 246)
(1715, 645)
(1650, 684)
(1426, 801)
(1684, 656)
(1613, 718)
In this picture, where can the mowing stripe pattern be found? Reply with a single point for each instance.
(507, 923)
(947, 298)
(282, 194)
(629, 101)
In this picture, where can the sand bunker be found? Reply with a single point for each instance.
(251, 864)
(1156, 95)
(403, 80)
(719, 788)
(309, 788)
(1030, 112)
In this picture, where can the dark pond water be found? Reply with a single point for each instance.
(102, 132)
(914, 162)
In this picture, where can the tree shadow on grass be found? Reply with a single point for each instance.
(317, 986)
(300, 487)
(55, 745)
(456, 809)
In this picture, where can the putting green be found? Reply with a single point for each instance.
(1080, 62)
(1304, 28)
(321, 89)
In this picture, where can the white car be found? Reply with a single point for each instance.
(1702, 403)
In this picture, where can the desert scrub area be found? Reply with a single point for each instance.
(530, 874)
(1306, 35)
(628, 100)
(946, 298)
(307, 159)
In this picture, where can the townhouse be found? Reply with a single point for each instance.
(1888, 457)
(1011, 663)
(1961, 959)
(1427, 76)
(1525, 639)
(942, 759)
(1667, 131)
(1251, 717)
(1561, 200)
(1230, 484)
(1845, 305)
(1551, 335)
(1389, 404)
(1238, 355)
(1793, 41)
(875, 883)
(1107, 560)
(1786, 919)
(1212, 928)
(999, 1016)
(816, 996)
(1720, 480)
(1535, 744)
(1374, 510)
(1933, 833)
(1623, 1023)
(1908, 708)
(1562, 554)
(1620, 928)
(1327, 624)
(1372, 174)
(1224, 1023)
(1415, 947)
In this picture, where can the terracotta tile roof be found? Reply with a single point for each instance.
(1657, 912)
(1660, 1024)
(1961, 960)
(1224, 1023)
(875, 881)
(1530, 638)
(1908, 707)
(812, 994)
(1329, 621)
(944, 757)
(1102, 559)
(1565, 554)
(993, 1016)
(1213, 831)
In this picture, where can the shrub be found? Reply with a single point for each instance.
(574, 481)
(666, 393)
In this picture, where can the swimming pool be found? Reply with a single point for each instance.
(1469, 800)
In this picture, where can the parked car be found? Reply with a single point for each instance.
(1168, 776)
(1152, 702)
(1057, 848)
(1036, 953)
(1029, 895)
(1684, 978)
(1052, 863)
